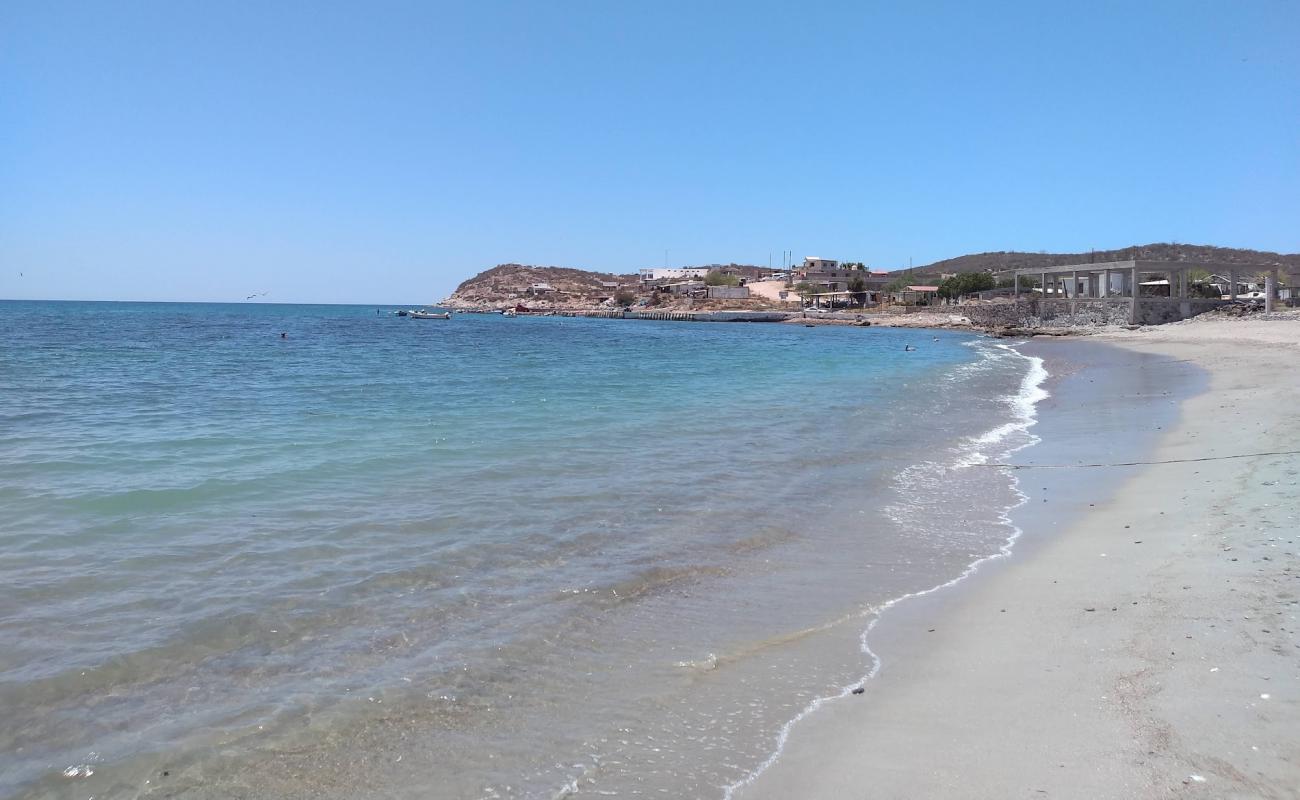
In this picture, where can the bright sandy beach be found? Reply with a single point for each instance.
(1146, 649)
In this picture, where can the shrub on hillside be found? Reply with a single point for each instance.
(718, 278)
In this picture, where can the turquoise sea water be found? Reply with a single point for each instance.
(484, 557)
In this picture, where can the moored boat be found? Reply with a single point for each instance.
(430, 315)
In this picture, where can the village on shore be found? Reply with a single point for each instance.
(1023, 296)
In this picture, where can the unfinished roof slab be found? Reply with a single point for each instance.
(1149, 266)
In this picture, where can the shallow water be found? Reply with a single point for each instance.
(488, 557)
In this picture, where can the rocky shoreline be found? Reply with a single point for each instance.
(994, 318)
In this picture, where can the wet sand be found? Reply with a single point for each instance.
(1141, 641)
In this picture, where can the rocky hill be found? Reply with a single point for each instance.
(507, 284)
(544, 288)
(982, 262)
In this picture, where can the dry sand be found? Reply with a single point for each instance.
(1148, 651)
(770, 290)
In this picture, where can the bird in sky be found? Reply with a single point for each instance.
(259, 294)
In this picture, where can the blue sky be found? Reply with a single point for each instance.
(382, 152)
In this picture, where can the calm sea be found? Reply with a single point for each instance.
(476, 558)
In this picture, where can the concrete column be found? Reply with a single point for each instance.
(1104, 289)
(1133, 304)
(1074, 285)
(1017, 283)
(1043, 284)
(1232, 288)
(1270, 289)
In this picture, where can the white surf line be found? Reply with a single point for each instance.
(1031, 393)
(1144, 463)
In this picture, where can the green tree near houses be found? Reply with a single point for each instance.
(903, 281)
(1026, 282)
(858, 287)
(966, 283)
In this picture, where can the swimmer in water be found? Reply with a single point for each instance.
(908, 348)
(284, 335)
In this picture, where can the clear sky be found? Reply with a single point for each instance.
(382, 151)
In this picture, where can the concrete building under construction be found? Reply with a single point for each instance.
(1134, 292)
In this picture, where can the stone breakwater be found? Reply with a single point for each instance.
(681, 316)
(1085, 315)
(1033, 314)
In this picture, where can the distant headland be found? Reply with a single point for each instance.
(751, 287)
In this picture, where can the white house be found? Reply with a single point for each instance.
(674, 274)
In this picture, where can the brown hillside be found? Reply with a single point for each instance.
(982, 262)
(506, 284)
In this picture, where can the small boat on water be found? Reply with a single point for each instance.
(401, 312)
(430, 315)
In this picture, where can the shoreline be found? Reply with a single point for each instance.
(861, 317)
(1031, 392)
(968, 700)
(929, 318)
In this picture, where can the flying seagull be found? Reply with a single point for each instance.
(259, 294)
